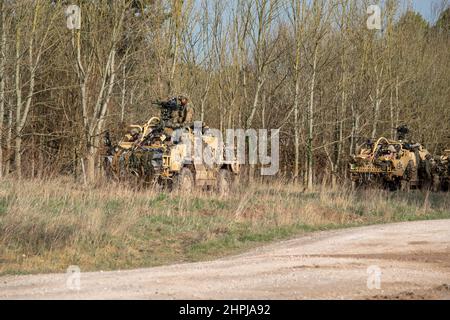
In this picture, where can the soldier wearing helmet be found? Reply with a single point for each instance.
(176, 112)
(133, 135)
(183, 116)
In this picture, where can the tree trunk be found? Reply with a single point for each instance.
(391, 113)
(18, 139)
(40, 170)
(339, 130)
(255, 103)
(397, 103)
(2, 79)
(18, 156)
(21, 117)
(124, 92)
(377, 101)
(376, 114)
(8, 142)
(311, 122)
(296, 130)
(93, 121)
(90, 164)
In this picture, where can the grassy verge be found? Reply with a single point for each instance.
(47, 226)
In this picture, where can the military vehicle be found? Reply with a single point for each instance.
(392, 164)
(152, 154)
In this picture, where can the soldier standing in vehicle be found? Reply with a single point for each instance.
(183, 116)
(177, 114)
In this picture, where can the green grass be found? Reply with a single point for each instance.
(47, 226)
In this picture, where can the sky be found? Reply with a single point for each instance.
(425, 7)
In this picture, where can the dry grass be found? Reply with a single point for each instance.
(48, 225)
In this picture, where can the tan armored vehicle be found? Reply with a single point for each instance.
(392, 164)
(151, 154)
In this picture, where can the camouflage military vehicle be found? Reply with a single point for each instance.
(152, 154)
(392, 164)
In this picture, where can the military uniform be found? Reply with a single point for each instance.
(183, 116)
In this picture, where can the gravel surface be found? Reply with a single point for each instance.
(410, 260)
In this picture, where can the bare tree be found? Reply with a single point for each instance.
(318, 28)
(297, 18)
(266, 11)
(311, 68)
(2, 77)
(94, 112)
(41, 24)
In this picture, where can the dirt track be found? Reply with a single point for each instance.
(414, 259)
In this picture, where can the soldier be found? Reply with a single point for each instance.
(133, 135)
(183, 116)
(176, 115)
(176, 112)
(392, 151)
(402, 132)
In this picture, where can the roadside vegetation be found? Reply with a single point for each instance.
(45, 226)
(311, 68)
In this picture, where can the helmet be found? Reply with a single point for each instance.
(183, 99)
(134, 131)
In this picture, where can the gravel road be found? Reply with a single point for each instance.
(397, 261)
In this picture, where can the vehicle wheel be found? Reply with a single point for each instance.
(427, 170)
(223, 182)
(436, 183)
(184, 182)
(409, 171)
(358, 185)
(405, 185)
(405, 182)
(446, 186)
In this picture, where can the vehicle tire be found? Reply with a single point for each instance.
(445, 186)
(223, 185)
(409, 171)
(425, 170)
(184, 181)
(436, 183)
(405, 182)
(359, 185)
(405, 185)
